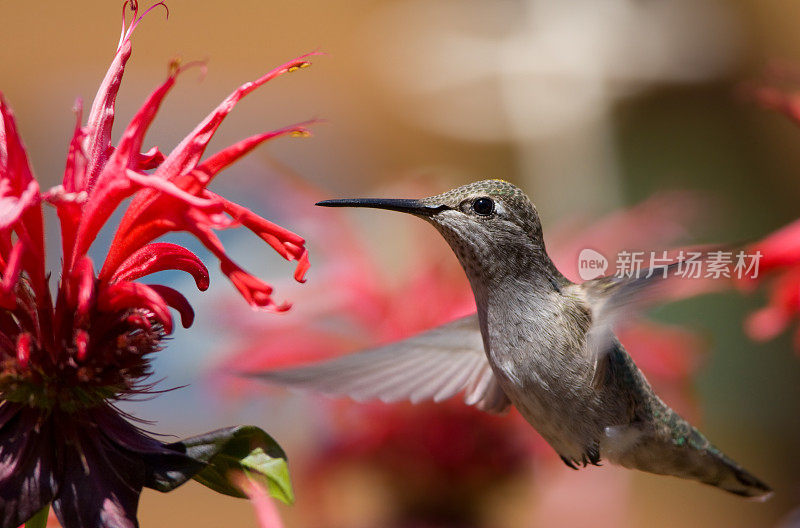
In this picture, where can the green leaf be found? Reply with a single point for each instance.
(260, 466)
(243, 448)
(39, 520)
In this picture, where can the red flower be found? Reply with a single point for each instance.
(65, 363)
(780, 261)
(780, 251)
(776, 90)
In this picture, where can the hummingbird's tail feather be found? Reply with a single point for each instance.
(736, 479)
(680, 450)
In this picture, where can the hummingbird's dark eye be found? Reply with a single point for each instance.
(483, 206)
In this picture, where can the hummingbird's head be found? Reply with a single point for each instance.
(491, 225)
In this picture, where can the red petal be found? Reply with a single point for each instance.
(229, 155)
(13, 207)
(82, 343)
(174, 210)
(781, 248)
(784, 302)
(18, 190)
(302, 267)
(148, 160)
(20, 199)
(69, 199)
(76, 160)
(185, 156)
(140, 321)
(167, 188)
(24, 349)
(111, 185)
(766, 323)
(289, 245)
(161, 256)
(172, 178)
(127, 153)
(776, 99)
(82, 281)
(255, 291)
(176, 300)
(101, 117)
(131, 295)
(786, 291)
(13, 268)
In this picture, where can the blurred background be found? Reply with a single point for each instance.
(621, 120)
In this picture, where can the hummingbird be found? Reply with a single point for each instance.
(538, 342)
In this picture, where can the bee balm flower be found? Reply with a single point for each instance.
(65, 360)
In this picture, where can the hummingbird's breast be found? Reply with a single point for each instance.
(535, 340)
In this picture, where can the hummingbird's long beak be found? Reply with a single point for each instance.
(415, 207)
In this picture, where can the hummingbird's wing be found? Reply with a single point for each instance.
(613, 299)
(435, 365)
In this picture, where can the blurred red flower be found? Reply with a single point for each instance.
(65, 363)
(265, 510)
(780, 261)
(780, 251)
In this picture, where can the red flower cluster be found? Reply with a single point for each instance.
(64, 363)
(169, 194)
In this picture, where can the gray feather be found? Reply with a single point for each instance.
(435, 365)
